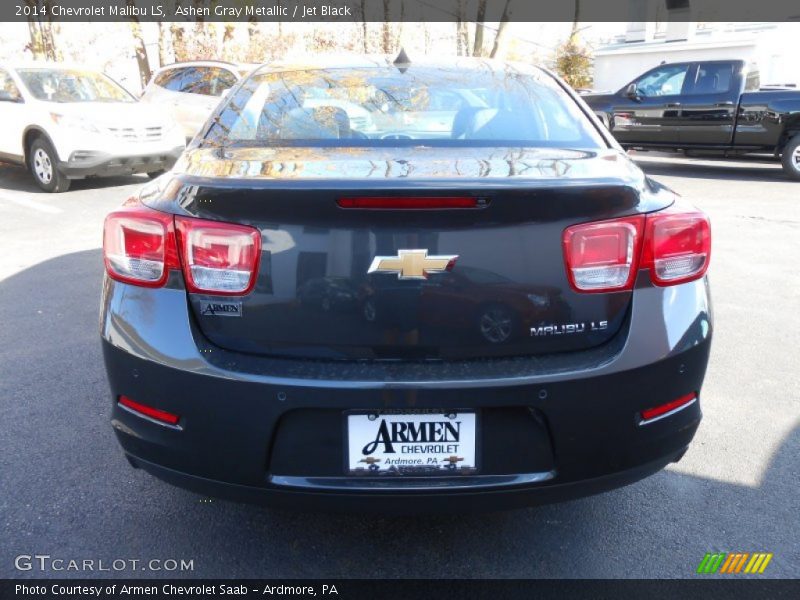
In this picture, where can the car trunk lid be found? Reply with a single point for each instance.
(337, 280)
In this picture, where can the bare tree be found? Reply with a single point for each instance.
(255, 39)
(139, 47)
(163, 44)
(387, 28)
(399, 39)
(575, 20)
(178, 41)
(42, 44)
(501, 30)
(227, 39)
(364, 30)
(205, 34)
(480, 20)
(462, 31)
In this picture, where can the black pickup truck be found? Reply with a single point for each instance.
(708, 106)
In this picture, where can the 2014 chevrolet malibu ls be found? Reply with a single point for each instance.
(471, 300)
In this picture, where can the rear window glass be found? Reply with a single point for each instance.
(170, 80)
(383, 106)
(713, 78)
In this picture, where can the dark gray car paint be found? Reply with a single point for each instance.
(509, 269)
(159, 326)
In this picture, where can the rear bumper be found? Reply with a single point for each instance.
(462, 500)
(100, 164)
(271, 431)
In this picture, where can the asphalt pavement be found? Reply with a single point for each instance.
(67, 492)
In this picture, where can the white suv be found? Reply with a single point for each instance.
(67, 123)
(192, 90)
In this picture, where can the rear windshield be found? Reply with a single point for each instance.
(389, 107)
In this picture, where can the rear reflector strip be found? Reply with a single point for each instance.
(664, 410)
(411, 202)
(155, 414)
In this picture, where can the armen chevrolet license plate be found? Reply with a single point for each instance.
(411, 443)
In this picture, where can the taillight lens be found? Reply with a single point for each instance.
(674, 244)
(139, 246)
(602, 256)
(218, 258)
(677, 246)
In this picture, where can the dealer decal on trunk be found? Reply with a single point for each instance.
(221, 309)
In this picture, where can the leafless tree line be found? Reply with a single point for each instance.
(177, 42)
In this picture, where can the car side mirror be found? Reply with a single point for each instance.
(632, 92)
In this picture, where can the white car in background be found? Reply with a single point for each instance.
(192, 90)
(69, 122)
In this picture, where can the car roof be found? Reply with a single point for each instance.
(200, 63)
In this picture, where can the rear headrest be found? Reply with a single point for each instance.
(706, 84)
(500, 124)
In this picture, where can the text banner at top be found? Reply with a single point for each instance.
(396, 10)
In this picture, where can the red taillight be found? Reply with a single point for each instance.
(677, 246)
(148, 411)
(139, 246)
(668, 408)
(602, 256)
(218, 258)
(411, 202)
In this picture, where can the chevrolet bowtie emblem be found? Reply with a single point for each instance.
(412, 264)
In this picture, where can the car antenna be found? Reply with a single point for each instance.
(402, 61)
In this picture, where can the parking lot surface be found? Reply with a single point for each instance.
(66, 490)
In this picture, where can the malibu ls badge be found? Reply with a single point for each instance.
(412, 264)
(568, 328)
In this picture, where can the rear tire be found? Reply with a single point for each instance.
(42, 162)
(791, 158)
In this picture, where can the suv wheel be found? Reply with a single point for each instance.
(42, 160)
(791, 158)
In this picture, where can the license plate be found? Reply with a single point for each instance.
(415, 443)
